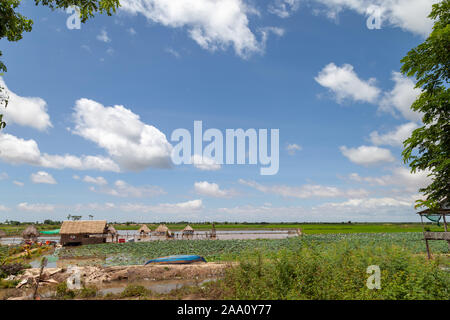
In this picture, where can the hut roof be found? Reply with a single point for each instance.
(30, 231)
(83, 226)
(444, 209)
(188, 228)
(2, 233)
(144, 229)
(162, 228)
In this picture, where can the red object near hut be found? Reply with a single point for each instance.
(121, 240)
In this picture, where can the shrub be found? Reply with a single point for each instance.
(62, 292)
(87, 292)
(134, 291)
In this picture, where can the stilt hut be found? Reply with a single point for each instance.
(83, 232)
(144, 231)
(436, 215)
(188, 231)
(30, 234)
(2, 234)
(162, 230)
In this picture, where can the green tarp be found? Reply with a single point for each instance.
(56, 231)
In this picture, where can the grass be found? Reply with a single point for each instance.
(226, 250)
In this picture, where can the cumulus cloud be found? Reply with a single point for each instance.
(409, 15)
(42, 177)
(284, 8)
(305, 191)
(133, 144)
(402, 177)
(401, 97)
(123, 189)
(367, 155)
(18, 183)
(26, 111)
(100, 181)
(165, 208)
(394, 138)
(213, 24)
(17, 151)
(345, 84)
(103, 36)
(212, 190)
(204, 163)
(36, 207)
(292, 148)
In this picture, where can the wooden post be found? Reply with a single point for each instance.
(445, 223)
(43, 264)
(428, 249)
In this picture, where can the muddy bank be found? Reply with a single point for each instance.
(96, 275)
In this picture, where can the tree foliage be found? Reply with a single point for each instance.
(13, 24)
(428, 148)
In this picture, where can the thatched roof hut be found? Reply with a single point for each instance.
(30, 233)
(2, 234)
(188, 230)
(83, 232)
(162, 229)
(144, 229)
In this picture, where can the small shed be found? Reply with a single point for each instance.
(188, 231)
(144, 230)
(112, 230)
(442, 212)
(83, 232)
(162, 230)
(2, 234)
(30, 233)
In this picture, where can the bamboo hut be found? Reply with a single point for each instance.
(162, 230)
(2, 234)
(30, 233)
(84, 232)
(188, 231)
(144, 231)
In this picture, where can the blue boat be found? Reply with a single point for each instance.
(178, 259)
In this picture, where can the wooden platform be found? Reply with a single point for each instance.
(437, 235)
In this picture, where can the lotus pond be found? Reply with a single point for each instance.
(226, 250)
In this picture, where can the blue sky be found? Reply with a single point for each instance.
(92, 111)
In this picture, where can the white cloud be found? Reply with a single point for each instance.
(18, 183)
(26, 111)
(292, 148)
(3, 208)
(165, 208)
(3, 176)
(410, 15)
(173, 52)
(346, 84)
(36, 207)
(368, 203)
(284, 8)
(213, 24)
(131, 31)
(401, 97)
(123, 189)
(367, 155)
(17, 151)
(42, 177)
(212, 190)
(204, 163)
(76, 177)
(305, 191)
(394, 138)
(100, 181)
(103, 36)
(402, 177)
(132, 143)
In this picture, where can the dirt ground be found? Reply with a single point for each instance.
(95, 275)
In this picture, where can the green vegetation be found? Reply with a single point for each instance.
(337, 271)
(428, 148)
(134, 291)
(225, 250)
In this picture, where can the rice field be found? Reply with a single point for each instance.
(226, 250)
